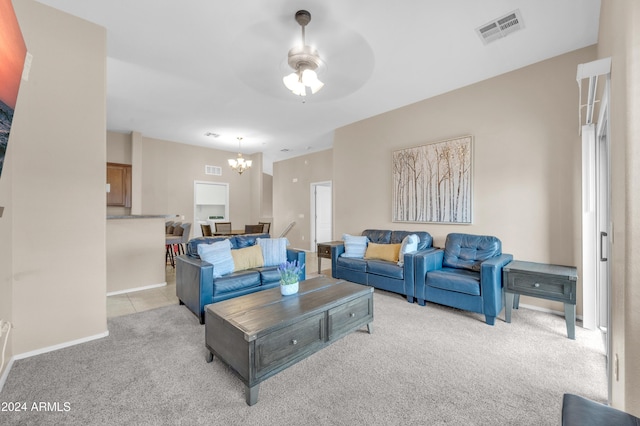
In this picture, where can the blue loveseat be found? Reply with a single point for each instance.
(198, 286)
(466, 275)
(383, 274)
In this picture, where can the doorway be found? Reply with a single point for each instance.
(210, 205)
(596, 205)
(321, 213)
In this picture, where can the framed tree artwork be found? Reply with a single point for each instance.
(432, 183)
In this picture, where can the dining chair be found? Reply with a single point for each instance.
(253, 229)
(265, 226)
(174, 243)
(222, 227)
(206, 230)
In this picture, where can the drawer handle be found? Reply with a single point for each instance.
(294, 342)
(352, 315)
(536, 285)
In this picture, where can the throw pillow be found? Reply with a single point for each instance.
(219, 255)
(247, 258)
(409, 245)
(274, 250)
(387, 252)
(354, 246)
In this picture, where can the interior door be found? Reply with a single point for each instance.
(321, 217)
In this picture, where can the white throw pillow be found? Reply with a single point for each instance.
(409, 245)
(219, 255)
(274, 250)
(354, 246)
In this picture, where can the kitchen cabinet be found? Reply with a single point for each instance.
(119, 181)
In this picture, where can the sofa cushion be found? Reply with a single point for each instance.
(236, 281)
(354, 246)
(242, 241)
(219, 255)
(426, 240)
(268, 274)
(352, 263)
(459, 280)
(378, 236)
(388, 252)
(468, 251)
(409, 245)
(192, 245)
(274, 250)
(387, 269)
(247, 258)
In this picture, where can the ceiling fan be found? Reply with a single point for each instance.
(304, 60)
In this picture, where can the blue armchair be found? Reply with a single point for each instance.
(466, 275)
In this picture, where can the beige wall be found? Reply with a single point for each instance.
(292, 181)
(135, 253)
(168, 172)
(619, 38)
(53, 280)
(526, 161)
(267, 198)
(119, 147)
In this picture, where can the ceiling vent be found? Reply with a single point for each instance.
(213, 170)
(500, 27)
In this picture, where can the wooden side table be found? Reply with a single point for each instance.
(324, 251)
(552, 282)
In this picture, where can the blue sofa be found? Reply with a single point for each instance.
(466, 275)
(382, 274)
(196, 286)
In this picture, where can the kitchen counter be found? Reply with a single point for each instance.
(143, 216)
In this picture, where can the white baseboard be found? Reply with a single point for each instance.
(29, 354)
(60, 346)
(131, 290)
(5, 374)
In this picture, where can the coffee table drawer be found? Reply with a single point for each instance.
(541, 286)
(350, 315)
(282, 346)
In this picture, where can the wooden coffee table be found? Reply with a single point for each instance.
(263, 333)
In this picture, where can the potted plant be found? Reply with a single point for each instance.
(289, 277)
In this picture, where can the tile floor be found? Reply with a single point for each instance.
(138, 301)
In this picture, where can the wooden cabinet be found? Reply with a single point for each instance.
(119, 180)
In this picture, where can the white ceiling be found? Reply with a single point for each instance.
(179, 69)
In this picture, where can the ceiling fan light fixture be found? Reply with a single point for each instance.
(310, 79)
(304, 60)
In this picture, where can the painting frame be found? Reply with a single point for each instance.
(433, 182)
(13, 51)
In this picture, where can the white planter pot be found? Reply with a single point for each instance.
(289, 289)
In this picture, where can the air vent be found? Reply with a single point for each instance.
(213, 170)
(500, 27)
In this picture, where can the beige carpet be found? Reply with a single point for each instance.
(421, 366)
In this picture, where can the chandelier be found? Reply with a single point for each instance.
(239, 164)
(304, 60)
